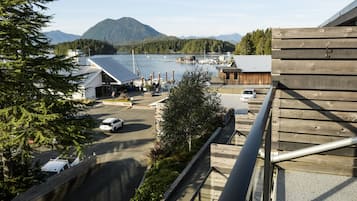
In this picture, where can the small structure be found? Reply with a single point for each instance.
(247, 70)
(103, 76)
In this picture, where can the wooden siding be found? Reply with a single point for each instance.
(260, 78)
(316, 99)
(246, 78)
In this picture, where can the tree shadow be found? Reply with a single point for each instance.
(112, 147)
(111, 181)
(98, 117)
(134, 127)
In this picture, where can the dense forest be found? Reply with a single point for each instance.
(256, 42)
(87, 46)
(188, 46)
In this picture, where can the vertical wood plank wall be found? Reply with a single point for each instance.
(316, 99)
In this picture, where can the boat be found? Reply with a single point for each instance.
(186, 60)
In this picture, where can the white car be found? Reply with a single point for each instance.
(57, 165)
(248, 94)
(111, 124)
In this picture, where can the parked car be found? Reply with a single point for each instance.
(57, 165)
(248, 94)
(111, 124)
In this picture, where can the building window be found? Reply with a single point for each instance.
(236, 75)
(227, 76)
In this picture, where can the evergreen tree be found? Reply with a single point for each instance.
(35, 92)
(267, 45)
(246, 45)
(190, 112)
(257, 42)
(87, 46)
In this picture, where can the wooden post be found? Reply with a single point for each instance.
(173, 76)
(166, 76)
(159, 77)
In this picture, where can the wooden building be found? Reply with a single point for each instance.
(316, 98)
(247, 70)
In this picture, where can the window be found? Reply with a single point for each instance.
(236, 75)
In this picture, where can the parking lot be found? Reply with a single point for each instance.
(138, 129)
(126, 150)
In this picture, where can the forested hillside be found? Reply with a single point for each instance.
(85, 45)
(256, 42)
(169, 45)
(122, 31)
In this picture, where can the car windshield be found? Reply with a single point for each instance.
(106, 124)
(248, 92)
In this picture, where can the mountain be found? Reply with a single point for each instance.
(122, 31)
(232, 38)
(60, 37)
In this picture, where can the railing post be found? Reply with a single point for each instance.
(267, 163)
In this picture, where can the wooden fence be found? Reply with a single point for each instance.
(316, 99)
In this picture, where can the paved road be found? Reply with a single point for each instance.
(127, 149)
(126, 152)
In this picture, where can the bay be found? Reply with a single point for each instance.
(153, 64)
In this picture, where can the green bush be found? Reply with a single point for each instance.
(166, 167)
(155, 184)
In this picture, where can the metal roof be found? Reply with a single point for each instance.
(346, 17)
(253, 63)
(114, 69)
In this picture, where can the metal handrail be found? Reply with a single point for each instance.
(240, 177)
(314, 149)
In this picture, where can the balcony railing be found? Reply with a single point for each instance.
(242, 183)
(238, 186)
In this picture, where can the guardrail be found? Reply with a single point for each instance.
(240, 177)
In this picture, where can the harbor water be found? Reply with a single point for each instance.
(151, 64)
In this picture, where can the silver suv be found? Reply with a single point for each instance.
(248, 94)
(111, 124)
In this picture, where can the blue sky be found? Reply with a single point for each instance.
(194, 17)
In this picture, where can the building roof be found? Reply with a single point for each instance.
(114, 69)
(345, 17)
(253, 63)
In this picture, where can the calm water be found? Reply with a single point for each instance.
(149, 64)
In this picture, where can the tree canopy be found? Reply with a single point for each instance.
(190, 111)
(35, 95)
(87, 46)
(256, 42)
(174, 45)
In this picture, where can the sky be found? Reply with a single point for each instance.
(194, 17)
